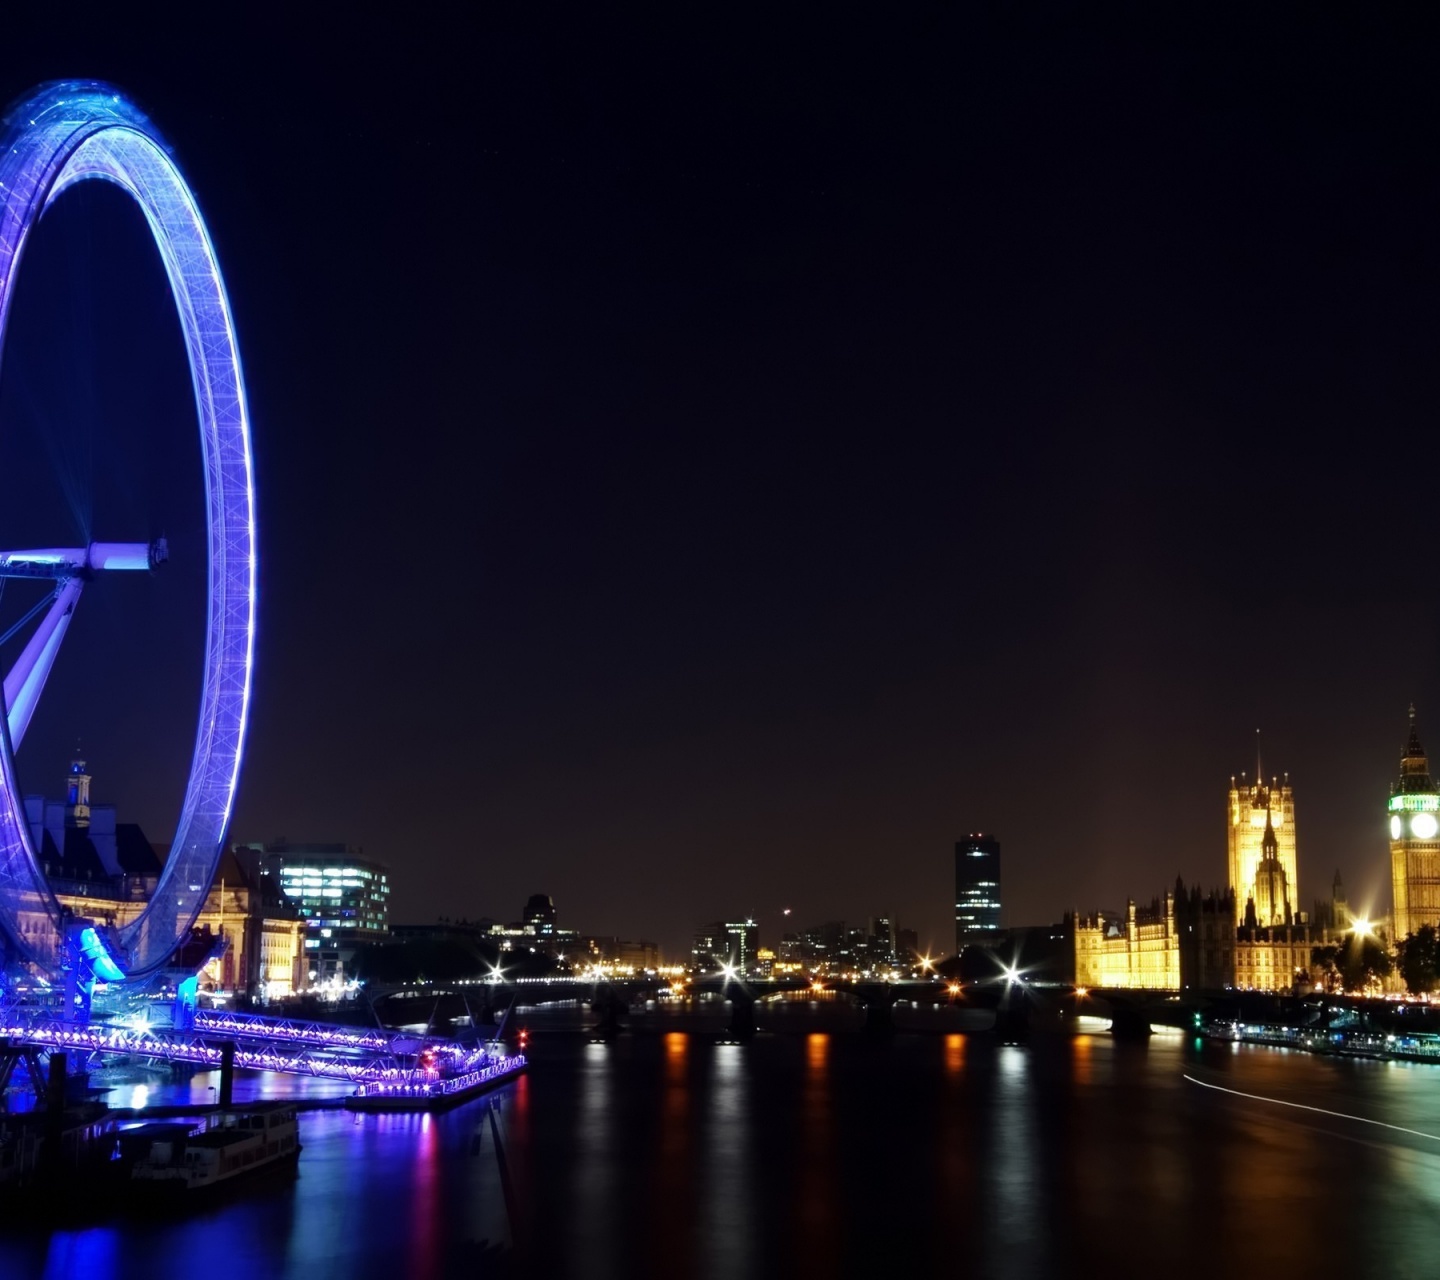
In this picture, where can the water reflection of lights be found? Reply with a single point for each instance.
(954, 1054)
(728, 1209)
(425, 1217)
(671, 1164)
(817, 1200)
(1015, 1189)
(591, 1232)
(1013, 1060)
(817, 1050)
(677, 1047)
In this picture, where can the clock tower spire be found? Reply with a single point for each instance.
(1414, 839)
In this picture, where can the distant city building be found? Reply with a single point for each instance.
(710, 948)
(725, 943)
(977, 890)
(879, 947)
(616, 953)
(539, 931)
(822, 947)
(743, 938)
(1414, 813)
(342, 897)
(880, 944)
(540, 914)
(907, 946)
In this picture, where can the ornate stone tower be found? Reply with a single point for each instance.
(1263, 814)
(1272, 886)
(77, 795)
(1415, 840)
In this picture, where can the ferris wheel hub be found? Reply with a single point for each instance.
(59, 563)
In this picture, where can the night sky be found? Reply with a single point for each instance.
(709, 469)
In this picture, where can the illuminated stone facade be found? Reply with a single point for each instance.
(1250, 936)
(105, 870)
(266, 945)
(1275, 959)
(1139, 950)
(1262, 851)
(1414, 813)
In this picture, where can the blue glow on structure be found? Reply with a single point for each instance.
(186, 998)
(102, 963)
(64, 134)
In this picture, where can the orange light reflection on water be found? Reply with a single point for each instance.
(677, 1045)
(817, 1051)
(817, 1197)
(954, 1055)
(671, 1166)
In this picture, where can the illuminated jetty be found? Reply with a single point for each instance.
(390, 1070)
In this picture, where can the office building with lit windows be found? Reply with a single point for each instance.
(977, 890)
(342, 897)
(732, 944)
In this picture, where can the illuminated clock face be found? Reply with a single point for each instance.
(1423, 826)
(1396, 827)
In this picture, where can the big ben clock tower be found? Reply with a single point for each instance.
(1415, 840)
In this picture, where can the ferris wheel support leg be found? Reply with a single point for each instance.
(27, 677)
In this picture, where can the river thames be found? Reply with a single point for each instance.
(814, 1150)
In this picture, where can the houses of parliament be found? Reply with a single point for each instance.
(1254, 935)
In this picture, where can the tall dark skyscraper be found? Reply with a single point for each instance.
(977, 890)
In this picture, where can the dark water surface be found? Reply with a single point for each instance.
(817, 1152)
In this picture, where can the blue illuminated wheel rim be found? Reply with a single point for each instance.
(60, 135)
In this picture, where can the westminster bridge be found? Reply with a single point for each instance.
(1008, 1003)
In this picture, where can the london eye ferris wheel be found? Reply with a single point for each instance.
(60, 135)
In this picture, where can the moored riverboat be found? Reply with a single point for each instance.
(232, 1144)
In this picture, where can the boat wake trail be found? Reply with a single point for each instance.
(1300, 1106)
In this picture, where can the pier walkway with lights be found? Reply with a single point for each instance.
(385, 1066)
